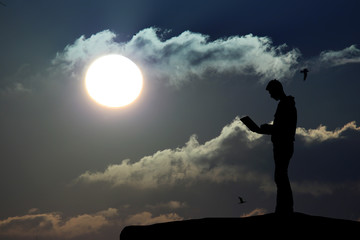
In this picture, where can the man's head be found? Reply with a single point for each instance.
(275, 89)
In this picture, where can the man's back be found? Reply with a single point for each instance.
(285, 121)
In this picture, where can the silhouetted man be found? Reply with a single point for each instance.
(282, 133)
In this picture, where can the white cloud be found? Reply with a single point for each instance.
(83, 224)
(52, 224)
(185, 57)
(194, 161)
(212, 161)
(255, 212)
(181, 59)
(146, 218)
(19, 87)
(33, 210)
(83, 50)
(15, 88)
(191, 55)
(19, 82)
(335, 58)
(321, 133)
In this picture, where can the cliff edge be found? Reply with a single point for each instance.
(296, 226)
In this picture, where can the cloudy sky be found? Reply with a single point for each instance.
(72, 169)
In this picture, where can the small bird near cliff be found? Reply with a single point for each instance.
(241, 200)
(305, 72)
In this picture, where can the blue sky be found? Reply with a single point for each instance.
(71, 169)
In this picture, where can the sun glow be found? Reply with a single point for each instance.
(113, 81)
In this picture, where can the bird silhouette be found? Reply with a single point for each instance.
(305, 72)
(241, 200)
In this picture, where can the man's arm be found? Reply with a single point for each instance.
(266, 129)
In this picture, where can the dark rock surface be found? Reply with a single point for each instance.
(296, 226)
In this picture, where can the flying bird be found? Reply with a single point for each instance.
(241, 200)
(305, 72)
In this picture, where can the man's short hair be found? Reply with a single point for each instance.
(274, 85)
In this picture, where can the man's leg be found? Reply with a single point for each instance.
(284, 198)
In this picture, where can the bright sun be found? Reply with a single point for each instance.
(113, 81)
